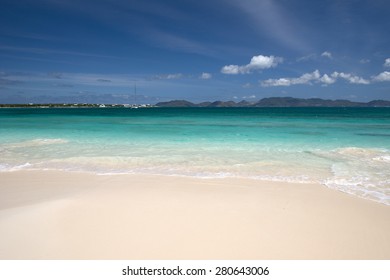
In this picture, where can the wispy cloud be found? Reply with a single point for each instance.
(35, 58)
(64, 85)
(141, 20)
(104, 80)
(327, 54)
(315, 56)
(247, 85)
(174, 76)
(249, 97)
(101, 80)
(175, 42)
(271, 19)
(45, 51)
(308, 57)
(56, 75)
(205, 76)
(258, 62)
(7, 82)
(59, 79)
(16, 33)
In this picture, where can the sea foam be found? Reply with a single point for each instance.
(364, 172)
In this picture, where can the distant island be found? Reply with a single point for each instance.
(75, 105)
(278, 102)
(265, 102)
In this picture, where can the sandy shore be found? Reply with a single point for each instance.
(59, 215)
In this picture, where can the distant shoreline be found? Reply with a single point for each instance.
(265, 102)
(70, 106)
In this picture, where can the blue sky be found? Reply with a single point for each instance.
(96, 50)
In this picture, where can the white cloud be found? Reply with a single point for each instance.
(249, 97)
(309, 78)
(364, 61)
(264, 62)
(350, 78)
(327, 79)
(230, 69)
(174, 76)
(257, 63)
(387, 62)
(382, 77)
(304, 79)
(205, 76)
(277, 82)
(327, 54)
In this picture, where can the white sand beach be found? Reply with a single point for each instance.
(63, 215)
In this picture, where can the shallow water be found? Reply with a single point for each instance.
(347, 149)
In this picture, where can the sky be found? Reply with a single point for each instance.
(98, 51)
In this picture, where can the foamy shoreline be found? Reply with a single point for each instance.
(68, 215)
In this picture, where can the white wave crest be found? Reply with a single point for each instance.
(8, 167)
(362, 172)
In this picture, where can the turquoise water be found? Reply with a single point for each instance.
(347, 149)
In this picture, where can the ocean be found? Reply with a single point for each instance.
(347, 149)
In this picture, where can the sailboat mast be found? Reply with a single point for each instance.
(135, 93)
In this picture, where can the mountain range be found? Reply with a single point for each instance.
(278, 102)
